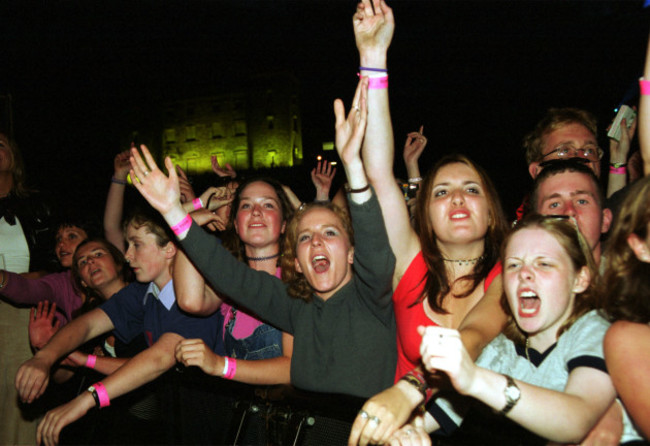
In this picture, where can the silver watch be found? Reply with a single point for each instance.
(512, 394)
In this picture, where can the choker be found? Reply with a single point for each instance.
(465, 261)
(261, 259)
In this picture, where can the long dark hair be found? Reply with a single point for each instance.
(626, 292)
(437, 284)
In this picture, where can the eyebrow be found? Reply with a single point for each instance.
(465, 183)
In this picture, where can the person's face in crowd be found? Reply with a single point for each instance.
(66, 241)
(148, 260)
(572, 136)
(96, 265)
(540, 283)
(324, 253)
(6, 157)
(640, 246)
(576, 195)
(458, 207)
(259, 220)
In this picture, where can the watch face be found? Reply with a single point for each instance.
(91, 389)
(512, 392)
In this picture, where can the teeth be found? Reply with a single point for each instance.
(317, 258)
(459, 216)
(527, 310)
(528, 294)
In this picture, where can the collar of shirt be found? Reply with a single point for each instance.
(165, 296)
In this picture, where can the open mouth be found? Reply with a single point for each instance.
(459, 215)
(529, 304)
(320, 263)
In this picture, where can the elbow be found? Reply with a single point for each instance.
(188, 303)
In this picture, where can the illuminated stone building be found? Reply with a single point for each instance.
(251, 128)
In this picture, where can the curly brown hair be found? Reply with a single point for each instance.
(296, 282)
(626, 291)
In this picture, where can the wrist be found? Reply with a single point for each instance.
(373, 58)
(410, 392)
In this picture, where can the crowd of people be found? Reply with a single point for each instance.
(418, 297)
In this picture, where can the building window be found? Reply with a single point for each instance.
(170, 136)
(217, 130)
(190, 133)
(240, 127)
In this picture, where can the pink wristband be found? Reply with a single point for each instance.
(197, 203)
(377, 83)
(182, 225)
(618, 170)
(644, 86)
(90, 361)
(104, 401)
(232, 368)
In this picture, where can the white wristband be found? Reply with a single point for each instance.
(225, 366)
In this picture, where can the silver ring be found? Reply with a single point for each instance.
(363, 414)
(408, 432)
(356, 107)
(375, 421)
(146, 172)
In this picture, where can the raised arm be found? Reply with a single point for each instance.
(349, 135)
(413, 148)
(644, 116)
(322, 176)
(192, 293)
(619, 154)
(33, 376)
(115, 200)
(373, 30)
(139, 370)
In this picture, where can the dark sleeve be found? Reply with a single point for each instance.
(126, 311)
(374, 262)
(259, 291)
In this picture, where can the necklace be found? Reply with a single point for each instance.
(261, 259)
(465, 261)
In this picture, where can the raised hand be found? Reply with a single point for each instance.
(619, 149)
(207, 218)
(161, 191)
(226, 171)
(443, 350)
(41, 326)
(121, 165)
(215, 197)
(374, 25)
(350, 131)
(194, 352)
(187, 193)
(414, 146)
(322, 176)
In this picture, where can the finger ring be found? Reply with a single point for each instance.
(146, 172)
(408, 431)
(356, 107)
(363, 414)
(375, 421)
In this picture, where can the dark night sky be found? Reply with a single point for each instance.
(477, 74)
